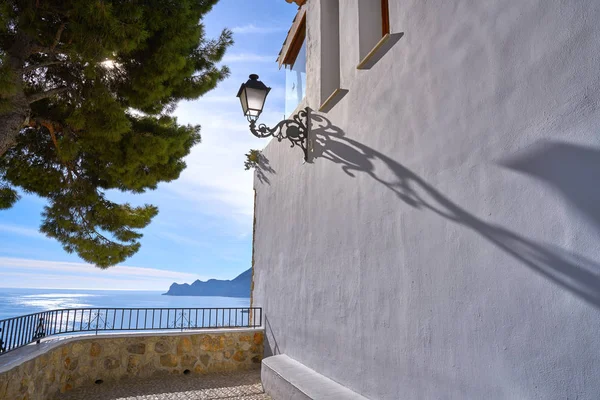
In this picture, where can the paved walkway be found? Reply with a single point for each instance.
(231, 386)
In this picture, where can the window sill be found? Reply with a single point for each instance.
(332, 100)
(380, 49)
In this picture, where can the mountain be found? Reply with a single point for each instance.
(238, 287)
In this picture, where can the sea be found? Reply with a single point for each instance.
(16, 302)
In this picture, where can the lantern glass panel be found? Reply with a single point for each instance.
(244, 102)
(256, 100)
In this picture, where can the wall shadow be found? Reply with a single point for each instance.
(380, 50)
(571, 169)
(271, 348)
(577, 274)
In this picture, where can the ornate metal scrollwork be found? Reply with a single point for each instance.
(295, 130)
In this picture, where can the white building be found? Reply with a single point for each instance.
(443, 242)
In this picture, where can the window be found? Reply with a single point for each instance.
(293, 58)
(295, 81)
(330, 54)
(373, 31)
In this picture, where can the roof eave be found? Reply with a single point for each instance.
(298, 20)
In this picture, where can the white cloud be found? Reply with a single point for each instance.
(228, 99)
(215, 182)
(182, 239)
(251, 28)
(248, 58)
(277, 93)
(215, 178)
(22, 231)
(87, 276)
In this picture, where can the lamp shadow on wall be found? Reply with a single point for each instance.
(575, 273)
(570, 169)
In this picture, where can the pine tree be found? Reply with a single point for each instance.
(86, 88)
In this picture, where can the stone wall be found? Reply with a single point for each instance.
(80, 361)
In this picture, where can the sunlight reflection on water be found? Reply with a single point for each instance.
(44, 302)
(51, 301)
(15, 302)
(51, 304)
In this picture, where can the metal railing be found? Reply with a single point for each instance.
(20, 331)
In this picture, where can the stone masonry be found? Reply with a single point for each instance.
(89, 360)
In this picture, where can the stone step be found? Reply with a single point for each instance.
(284, 378)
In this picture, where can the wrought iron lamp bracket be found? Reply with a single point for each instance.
(295, 130)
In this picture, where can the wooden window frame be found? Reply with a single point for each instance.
(387, 40)
(385, 18)
(330, 90)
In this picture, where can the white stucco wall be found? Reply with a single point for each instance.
(445, 242)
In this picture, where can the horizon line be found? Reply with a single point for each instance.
(110, 290)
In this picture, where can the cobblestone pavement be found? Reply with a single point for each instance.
(231, 386)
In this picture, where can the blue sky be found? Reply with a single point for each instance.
(204, 228)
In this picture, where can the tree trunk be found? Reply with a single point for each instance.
(11, 123)
(13, 120)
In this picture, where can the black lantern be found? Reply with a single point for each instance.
(252, 95)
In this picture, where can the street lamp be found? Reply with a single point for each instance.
(252, 95)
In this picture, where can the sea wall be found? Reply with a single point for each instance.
(69, 363)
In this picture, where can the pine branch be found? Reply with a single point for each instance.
(35, 48)
(44, 95)
(91, 230)
(41, 65)
(57, 37)
(52, 126)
